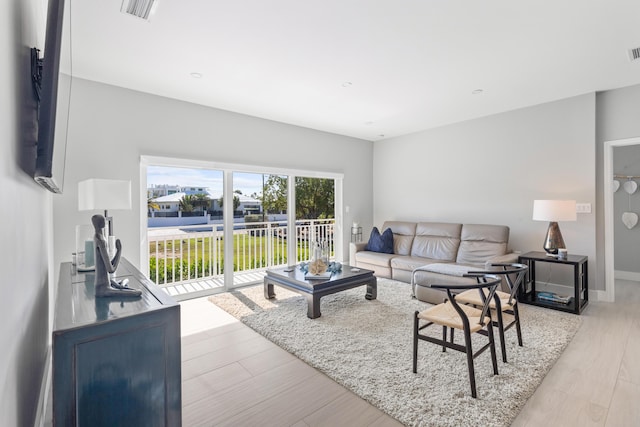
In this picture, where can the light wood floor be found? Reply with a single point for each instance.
(233, 376)
(596, 381)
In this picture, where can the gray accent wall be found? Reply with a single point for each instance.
(489, 171)
(25, 226)
(111, 127)
(626, 161)
(618, 115)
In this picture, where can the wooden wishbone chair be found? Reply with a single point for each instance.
(502, 302)
(469, 319)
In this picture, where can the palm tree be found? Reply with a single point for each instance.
(236, 202)
(152, 205)
(187, 203)
(201, 200)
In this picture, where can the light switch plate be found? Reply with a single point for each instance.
(583, 207)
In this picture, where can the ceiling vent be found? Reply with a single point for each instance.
(139, 8)
(634, 54)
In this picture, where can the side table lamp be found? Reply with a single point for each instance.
(554, 211)
(105, 194)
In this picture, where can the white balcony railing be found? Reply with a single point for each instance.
(190, 253)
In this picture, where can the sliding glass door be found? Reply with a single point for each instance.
(314, 214)
(210, 229)
(260, 225)
(185, 230)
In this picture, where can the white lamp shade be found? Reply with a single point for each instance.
(554, 210)
(104, 194)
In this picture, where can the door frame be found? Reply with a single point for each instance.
(609, 242)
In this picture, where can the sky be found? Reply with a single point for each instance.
(248, 183)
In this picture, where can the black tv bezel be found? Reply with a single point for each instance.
(49, 97)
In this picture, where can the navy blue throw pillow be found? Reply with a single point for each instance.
(382, 243)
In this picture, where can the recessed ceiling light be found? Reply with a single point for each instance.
(369, 123)
(381, 135)
(477, 92)
(196, 75)
(347, 84)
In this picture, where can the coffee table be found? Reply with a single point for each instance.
(313, 289)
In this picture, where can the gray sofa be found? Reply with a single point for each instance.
(441, 252)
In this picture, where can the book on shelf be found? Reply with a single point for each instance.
(550, 296)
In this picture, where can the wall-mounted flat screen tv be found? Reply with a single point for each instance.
(53, 110)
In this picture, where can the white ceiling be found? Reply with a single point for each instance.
(411, 65)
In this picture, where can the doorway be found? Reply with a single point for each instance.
(609, 218)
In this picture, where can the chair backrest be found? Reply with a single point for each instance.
(513, 273)
(487, 292)
(486, 286)
(511, 270)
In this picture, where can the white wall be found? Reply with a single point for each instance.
(25, 226)
(489, 171)
(111, 127)
(617, 112)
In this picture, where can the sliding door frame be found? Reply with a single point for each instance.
(228, 169)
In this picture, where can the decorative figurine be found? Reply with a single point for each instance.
(105, 286)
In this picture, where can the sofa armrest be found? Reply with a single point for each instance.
(353, 249)
(506, 258)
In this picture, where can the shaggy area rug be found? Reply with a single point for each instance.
(367, 347)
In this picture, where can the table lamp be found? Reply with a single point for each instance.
(105, 194)
(554, 211)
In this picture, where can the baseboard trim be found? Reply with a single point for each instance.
(627, 275)
(599, 295)
(43, 398)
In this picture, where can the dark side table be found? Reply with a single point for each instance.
(580, 298)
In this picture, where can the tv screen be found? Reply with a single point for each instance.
(53, 107)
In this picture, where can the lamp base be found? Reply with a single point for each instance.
(553, 241)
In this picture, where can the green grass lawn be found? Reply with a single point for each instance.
(197, 257)
(198, 248)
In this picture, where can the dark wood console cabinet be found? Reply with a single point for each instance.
(116, 362)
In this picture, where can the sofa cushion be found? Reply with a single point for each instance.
(410, 263)
(480, 242)
(449, 269)
(436, 240)
(382, 243)
(374, 258)
(403, 233)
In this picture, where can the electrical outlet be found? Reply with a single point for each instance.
(583, 207)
